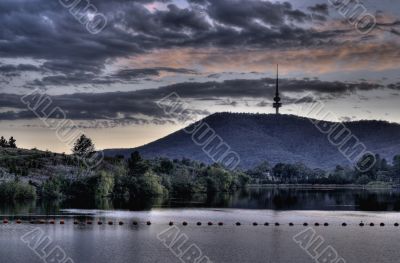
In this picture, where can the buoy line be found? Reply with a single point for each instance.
(81, 222)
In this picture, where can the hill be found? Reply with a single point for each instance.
(273, 138)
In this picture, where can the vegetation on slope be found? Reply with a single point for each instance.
(273, 138)
(25, 174)
(60, 176)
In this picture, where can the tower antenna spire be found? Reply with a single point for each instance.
(277, 99)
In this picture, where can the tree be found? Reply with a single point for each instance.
(83, 146)
(136, 165)
(3, 142)
(11, 142)
(166, 166)
(396, 168)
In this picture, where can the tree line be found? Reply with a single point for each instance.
(298, 173)
(11, 143)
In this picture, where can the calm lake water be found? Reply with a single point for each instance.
(252, 198)
(226, 243)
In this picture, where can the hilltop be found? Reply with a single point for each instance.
(273, 138)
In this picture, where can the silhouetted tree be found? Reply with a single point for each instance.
(83, 146)
(11, 142)
(166, 166)
(136, 165)
(3, 142)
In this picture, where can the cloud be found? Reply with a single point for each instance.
(322, 9)
(136, 106)
(130, 74)
(124, 75)
(55, 37)
(16, 70)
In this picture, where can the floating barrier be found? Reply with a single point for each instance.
(52, 221)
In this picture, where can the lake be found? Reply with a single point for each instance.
(251, 241)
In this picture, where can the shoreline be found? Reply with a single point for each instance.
(324, 186)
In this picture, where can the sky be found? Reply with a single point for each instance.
(105, 64)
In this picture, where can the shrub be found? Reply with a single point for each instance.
(17, 191)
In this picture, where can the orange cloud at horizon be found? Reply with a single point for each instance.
(346, 57)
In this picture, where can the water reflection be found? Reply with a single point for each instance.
(252, 198)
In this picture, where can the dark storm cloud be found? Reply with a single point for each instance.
(41, 29)
(129, 74)
(121, 106)
(264, 87)
(74, 79)
(81, 78)
(320, 8)
(16, 70)
(235, 13)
